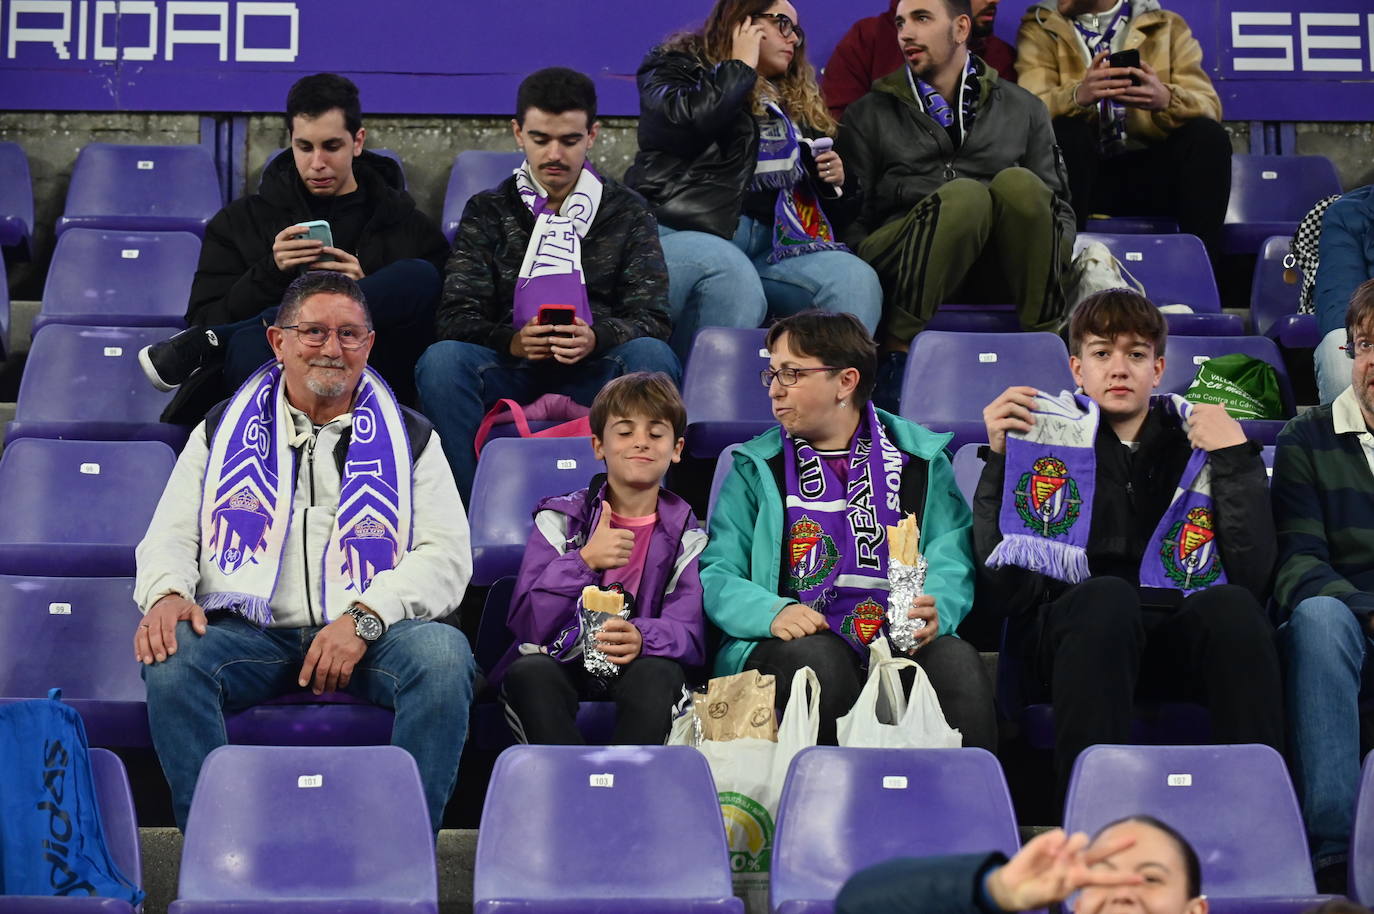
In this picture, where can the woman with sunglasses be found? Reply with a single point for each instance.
(795, 569)
(734, 158)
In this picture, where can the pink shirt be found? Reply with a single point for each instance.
(629, 575)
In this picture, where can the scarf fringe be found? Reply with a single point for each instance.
(255, 609)
(1058, 560)
(779, 180)
(799, 250)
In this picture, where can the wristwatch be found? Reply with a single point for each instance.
(367, 625)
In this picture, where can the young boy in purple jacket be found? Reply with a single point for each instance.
(624, 529)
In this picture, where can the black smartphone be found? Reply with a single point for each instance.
(1124, 59)
(561, 315)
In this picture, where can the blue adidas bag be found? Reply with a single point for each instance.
(51, 840)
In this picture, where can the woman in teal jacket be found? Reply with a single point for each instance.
(802, 580)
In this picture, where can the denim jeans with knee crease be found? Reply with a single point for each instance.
(422, 670)
(717, 283)
(1329, 664)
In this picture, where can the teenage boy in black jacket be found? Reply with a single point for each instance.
(255, 246)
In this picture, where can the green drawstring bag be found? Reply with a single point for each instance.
(1248, 387)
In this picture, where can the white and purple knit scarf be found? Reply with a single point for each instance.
(1111, 114)
(551, 273)
(940, 110)
(800, 225)
(249, 488)
(836, 540)
(1047, 502)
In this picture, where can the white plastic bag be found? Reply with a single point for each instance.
(885, 718)
(749, 776)
(1095, 269)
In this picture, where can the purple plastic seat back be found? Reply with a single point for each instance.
(533, 851)
(1274, 302)
(389, 153)
(474, 170)
(86, 383)
(725, 402)
(1132, 225)
(950, 377)
(16, 198)
(117, 817)
(845, 809)
(1205, 324)
(123, 279)
(1270, 195)
(142, 189)
(302, 718)
(513, 474)
(294, 824)
(1362, 839)
(968, 467)
(1185, 354)
(78, 507)
(1234, 804)
(75, 634)
(963, 318)
(724, 462)
(1174, 268)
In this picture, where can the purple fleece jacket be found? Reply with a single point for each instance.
(668, 609)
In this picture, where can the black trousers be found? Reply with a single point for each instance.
(541, 696)
(956, 672)
(1099, 651)
(1186, 177)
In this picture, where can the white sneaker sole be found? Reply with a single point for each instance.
(151, 373)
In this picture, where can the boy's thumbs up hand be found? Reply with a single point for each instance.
(607, 547)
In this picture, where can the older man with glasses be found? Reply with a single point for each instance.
(308, 537)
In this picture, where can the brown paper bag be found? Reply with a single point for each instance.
(736, 707)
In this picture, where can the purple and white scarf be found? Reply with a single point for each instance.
(249, 488)
(1047, 502)
(800, 225)
(836, 541)
(940, 110)
(552, 271)
(1111, 114)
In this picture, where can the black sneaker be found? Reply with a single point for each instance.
(169, 363)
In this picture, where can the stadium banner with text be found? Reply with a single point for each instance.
(1308, 60)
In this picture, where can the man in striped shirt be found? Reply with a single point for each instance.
(1323, 490)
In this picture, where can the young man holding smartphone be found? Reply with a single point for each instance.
(553, 239)
(1135, 114)
(324, 204)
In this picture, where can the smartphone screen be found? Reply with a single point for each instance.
(556, 314)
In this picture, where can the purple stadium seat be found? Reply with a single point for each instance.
(1234, 804)
(1362, 839)
(78, 507)
(1173, 268)
(116, 802)
(513, 474)
(975, 319)
(302, 718)
(532, 847)
(723, 464)
(86, 383)
(873, 805)
(1270, 195)
(725, 402)
(1132, 225)
(1205, 324)
(968, 467)
(120, 279)
(950, 377)
(1185, 353)
(474, 170)
(389, 153)
(308, 830)
(16, 199)
(1274, 303)
(75, 634)
(142, 189)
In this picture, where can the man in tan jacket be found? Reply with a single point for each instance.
(1138, 140)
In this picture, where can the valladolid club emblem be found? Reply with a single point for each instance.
(864, 622)
(1189, 551)
(1047, 498)
(811, 553)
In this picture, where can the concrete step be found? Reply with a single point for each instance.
(22, 314)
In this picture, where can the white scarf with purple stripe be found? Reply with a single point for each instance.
(249, 488)
(551, 273)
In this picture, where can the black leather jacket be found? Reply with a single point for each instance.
(698, 144)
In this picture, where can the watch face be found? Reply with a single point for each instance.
(369, 626)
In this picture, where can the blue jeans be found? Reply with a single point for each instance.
(717, 283)
(1333, 366)
(1329, 662)
(422, 670)
(459, 382)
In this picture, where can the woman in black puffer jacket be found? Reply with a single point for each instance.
(734, 159)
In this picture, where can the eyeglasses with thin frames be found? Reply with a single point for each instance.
(786, 27)
(788, 377)
(1360, 349)
(351, 336)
